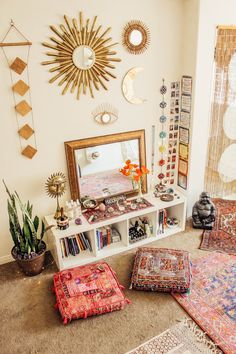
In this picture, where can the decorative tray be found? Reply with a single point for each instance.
(114, 210)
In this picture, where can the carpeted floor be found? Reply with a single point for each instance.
(31, 325)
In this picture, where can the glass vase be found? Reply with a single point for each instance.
(139, 198)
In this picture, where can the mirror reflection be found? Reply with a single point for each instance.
(83, 57)
(135, 37)
(98, 168)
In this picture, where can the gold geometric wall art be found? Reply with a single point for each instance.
(82, 56)
(26, 132)
(18, 66)
(20, 87)
(23, 108)
(29, 151)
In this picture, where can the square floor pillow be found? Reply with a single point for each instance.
(161, 269)
(88, 290)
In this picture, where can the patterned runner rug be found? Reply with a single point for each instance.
(184, 338)
(212, 299)
(223, 237)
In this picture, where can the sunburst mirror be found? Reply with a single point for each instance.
(136, 37)
(82, 56)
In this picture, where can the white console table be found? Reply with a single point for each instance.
(176, 208)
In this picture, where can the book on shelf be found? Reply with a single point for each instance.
(74, 245)
(107, 235)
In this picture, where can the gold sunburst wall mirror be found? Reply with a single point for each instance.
(82, 56)
(136, 37)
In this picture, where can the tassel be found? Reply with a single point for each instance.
(121, 287)
(85, 315)
(65, 321)
(128, 301)
(56, 306)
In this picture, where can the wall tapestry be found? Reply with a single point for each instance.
(19, 73)
(82, 56)
(220, 172)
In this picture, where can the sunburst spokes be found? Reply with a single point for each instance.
(75, 34)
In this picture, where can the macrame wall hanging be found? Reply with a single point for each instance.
(19, 73)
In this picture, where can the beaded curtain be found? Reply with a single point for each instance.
(220, 172)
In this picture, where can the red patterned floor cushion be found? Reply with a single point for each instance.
(88, 290)
(161, 269)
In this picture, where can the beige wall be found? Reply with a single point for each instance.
(62, 118)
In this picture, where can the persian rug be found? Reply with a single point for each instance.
(212, 299)
(183, 338)
(223, 236)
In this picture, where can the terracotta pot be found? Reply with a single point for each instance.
(30, 267)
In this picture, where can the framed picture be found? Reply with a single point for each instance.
(187, 85)
(182, 181)
(183, 167)
(183, 151)
(183, 135)
(186, 103)
(184, 119)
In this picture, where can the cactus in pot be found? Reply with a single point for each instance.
(29, 247)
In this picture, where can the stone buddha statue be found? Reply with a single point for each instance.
(204, 212)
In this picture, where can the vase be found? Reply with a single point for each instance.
(139, 198)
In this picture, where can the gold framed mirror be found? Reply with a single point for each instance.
(94, 163)
(136, 37)
(82, 56)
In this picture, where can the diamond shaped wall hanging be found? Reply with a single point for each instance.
(29, 151)
(18, 66)
(26, 131)
(23, 108)
(20, 87)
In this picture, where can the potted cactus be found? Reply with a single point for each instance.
(29, 248)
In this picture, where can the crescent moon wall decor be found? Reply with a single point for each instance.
(81, 56)
(128, 86)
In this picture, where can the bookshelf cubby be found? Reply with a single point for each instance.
(176, 208)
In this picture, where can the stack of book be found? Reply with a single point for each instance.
(107, 235)
(75, 244)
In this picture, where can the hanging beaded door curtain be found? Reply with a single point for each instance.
(21, 92)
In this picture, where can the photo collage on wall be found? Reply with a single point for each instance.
(173, 132)
(184, 131)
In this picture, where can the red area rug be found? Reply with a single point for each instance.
(223, 236)
(212, 299)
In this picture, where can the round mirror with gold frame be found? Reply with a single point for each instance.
(136, 37)
(82, 56)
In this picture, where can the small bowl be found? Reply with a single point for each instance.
(90, 203)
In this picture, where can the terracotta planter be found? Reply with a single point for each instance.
(30, 267)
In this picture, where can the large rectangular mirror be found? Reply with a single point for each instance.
(94, 163)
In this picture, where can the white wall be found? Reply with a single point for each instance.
(211, 14)
(62, 118)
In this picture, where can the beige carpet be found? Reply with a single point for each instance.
(30, 324)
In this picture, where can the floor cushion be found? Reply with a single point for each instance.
(161, 269)
(88, 290)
